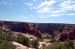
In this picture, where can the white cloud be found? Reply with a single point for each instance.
(45, 6)
(48, 3)
(45, 16)
(68, 5)
(71, 14)
(32, 15)
(44, 9)
(55, 14)
(57, 11)
(29, 4)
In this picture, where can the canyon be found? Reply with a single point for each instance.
(59, 30)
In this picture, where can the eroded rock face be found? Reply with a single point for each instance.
(72, 35)
(67, 31)
(33, 29)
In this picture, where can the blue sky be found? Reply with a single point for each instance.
(38, 11)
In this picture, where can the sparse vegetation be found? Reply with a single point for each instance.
(22, 40)
(68, 45)
(46, 36)
(34, 43)
(4, 42)
(55, 45)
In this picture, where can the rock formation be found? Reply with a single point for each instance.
(66, 31)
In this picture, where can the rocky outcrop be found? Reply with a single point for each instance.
(68, 33)
(19, 46)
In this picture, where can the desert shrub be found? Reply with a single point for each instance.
(4, 42)
(46, 36)
(6, 35)
(68, 45)
(3, 35)
(34, 43)
(65, 45)
(22, 40)
(48, 47)
(6, 45)
(55, 45)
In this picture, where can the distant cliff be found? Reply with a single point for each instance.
(66, 31)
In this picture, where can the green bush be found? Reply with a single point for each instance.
(6, 45)
(4, 42)
(46, 36)
(48, 47)
(55, 45)
(68, 45)
(34, 43)
(22, 40)
(65, 45)
(6, 35)
(3, 35)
